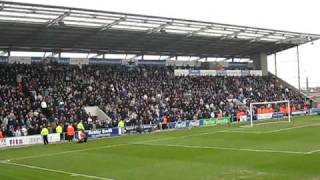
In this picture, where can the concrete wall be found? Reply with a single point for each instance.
(260, 62)
(96, 111)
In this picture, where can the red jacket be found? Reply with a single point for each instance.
(70, 130)
(1, 135)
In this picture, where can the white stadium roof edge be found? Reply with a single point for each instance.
(44, 28)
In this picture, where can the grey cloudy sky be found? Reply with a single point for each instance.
(291, 15)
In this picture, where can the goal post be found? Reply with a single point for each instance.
(287, 103)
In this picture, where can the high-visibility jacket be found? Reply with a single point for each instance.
(121, 124)
(44, 132)
(80, 126)
(1, 135)
(70, 130)
(59, 129)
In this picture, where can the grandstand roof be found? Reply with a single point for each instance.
(34, 27)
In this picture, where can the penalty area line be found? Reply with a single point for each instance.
(54, 170)
(225, 148)
(66, 152)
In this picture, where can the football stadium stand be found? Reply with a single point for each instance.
(52, 90)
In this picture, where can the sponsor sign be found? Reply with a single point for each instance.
(79, 61)
(243, 118)
(208, 72)
(64, 61)
(19, 60)
(193, 123)
(209, 122)
(222, 120)
(181, 124)
(233, 72)
(3, 59)
(27, 140)
(183, 72)
(277, 115)
(256, 73)
(194, 72)
(152, 62)
(221, 73)
(245, 73)
(314, 111)
(104, 61)
(148, 127)
(102, 133)
(264, 116)
(299, 113)
(131, 129)
(172, 125)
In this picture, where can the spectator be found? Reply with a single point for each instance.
(36, 94)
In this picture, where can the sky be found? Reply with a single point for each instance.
(290, 15)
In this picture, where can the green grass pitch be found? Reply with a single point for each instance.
(279, 150)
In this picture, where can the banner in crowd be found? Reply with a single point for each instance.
(79, 61)
(184, 72)
(3, 59)
(152, 62)
(19, 60)
(255, 72)
(27, 140)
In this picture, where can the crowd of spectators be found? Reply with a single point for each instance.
(51, 94)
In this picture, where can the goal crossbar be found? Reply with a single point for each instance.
(272, 102)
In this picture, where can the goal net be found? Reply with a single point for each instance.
(276, 110)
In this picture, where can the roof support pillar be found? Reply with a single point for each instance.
(298, 62)
(260, 62)
(275, 64)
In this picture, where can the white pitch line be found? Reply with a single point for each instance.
(274, 131)
(66, 152)
(295, 127)
(54, 170)
(312, 152)
(178, 137)
(225, 148)
(228, 131)
(266, 123)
